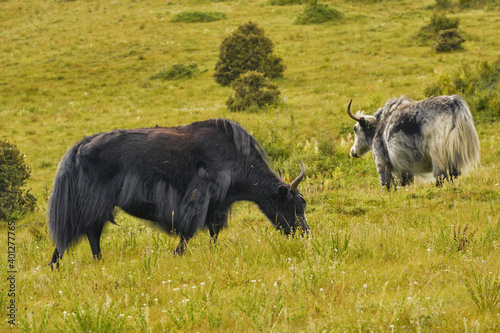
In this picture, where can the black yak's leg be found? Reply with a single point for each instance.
(214, 232)
(181, 248)
(194, 209)
(55, 258)
(94, 236)
(216, 223)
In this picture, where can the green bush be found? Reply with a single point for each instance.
(177, 72)
(196, 16)
(318, 14)
(14, 173)
(448, 40)
(252, 89)
(247, 49)
(439, 22)
(480, 86)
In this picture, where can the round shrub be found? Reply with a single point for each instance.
(448, 40)
(13, 176)
(247, 49)
(439, 22)
(318, 14)
(252, 89)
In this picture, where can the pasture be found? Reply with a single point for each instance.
(418, 259)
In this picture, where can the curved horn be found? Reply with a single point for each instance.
(296, 182)
(280, 173)
(350, 113)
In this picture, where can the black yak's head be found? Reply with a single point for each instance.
(291, 216)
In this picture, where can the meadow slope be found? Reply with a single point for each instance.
(418, 259)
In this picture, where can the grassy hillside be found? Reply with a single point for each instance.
(419, 259)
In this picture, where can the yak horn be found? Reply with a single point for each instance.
(296, 182)
(280, 173)
(350, 113)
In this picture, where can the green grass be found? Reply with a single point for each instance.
(377, 261)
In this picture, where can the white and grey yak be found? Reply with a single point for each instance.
(414, 138)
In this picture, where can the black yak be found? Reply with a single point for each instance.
(414, 138)
(181, 178)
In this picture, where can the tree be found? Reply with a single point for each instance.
(247, 49)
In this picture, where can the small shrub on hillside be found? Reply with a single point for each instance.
(13, 176)
(439, 22)
(317, 14)
(247, 49)
(480, 86)
(448, 40)
(252, 89)
(196, 16)
(176, 72)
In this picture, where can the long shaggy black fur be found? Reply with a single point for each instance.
(181, 178)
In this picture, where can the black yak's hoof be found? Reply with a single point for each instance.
(181, 248)
(52, 264)
(55, 259)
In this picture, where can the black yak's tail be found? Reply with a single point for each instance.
(63, 199)
(78, 205)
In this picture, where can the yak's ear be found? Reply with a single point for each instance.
(283, 191)
(362, 122)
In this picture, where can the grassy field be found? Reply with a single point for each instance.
(419, 259)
